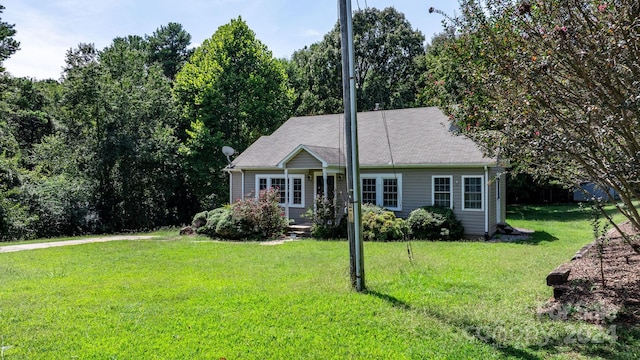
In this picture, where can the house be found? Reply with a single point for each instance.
(409, 158)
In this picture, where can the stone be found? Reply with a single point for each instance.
(187, 230)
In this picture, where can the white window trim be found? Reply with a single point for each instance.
(482, 192)
(269, 177)
(380, 188)
(433, 189)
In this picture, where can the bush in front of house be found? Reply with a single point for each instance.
(258, 218)
(434, 223)
(379, 224)
(326, 221)
(228, 228)
(207, 222)
(262, 217)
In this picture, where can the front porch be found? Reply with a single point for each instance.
(299, 231)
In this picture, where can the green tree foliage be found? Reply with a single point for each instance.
(557, 88)
(232, 92)
(386, 52)
(59, 205)
(169, 47)
(14, 221)
(120, 117)
(8, 45)
(97, 151)
(315, 74)
(442, 81)
(13, 218)
(28, 111)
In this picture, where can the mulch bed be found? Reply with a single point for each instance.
(586, 298)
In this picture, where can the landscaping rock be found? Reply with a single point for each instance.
(198, 223)
(187, 230)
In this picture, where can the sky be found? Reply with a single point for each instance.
(47, 29)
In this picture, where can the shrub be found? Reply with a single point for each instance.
(325, 220)
(227, 227)
(260, 218)
(434, 223)
(248, 219)
(370, 208)
(206, 222)
(199, 220)
(379, 224)
(59, 205)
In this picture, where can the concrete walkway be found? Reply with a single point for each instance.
(22, 247)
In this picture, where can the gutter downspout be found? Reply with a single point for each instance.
(324, 179)
(242, 187)
(286, 192)
(230, 187)
(486, 203)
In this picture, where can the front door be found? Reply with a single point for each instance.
(331, 185)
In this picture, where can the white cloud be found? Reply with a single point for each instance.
(47, 31)
(40, 46)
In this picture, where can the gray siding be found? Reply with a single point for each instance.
(236, 186)
(416, 192)
(295, 213)
(304, 160)
(417, 189)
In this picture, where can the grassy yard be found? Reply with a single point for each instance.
(191, 298)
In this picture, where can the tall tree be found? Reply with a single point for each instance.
(8, 45)
(559, 88)
(232, 91)
(14, 220)
(29, 111)
(169, 47)
(122, 114)
(441, 80)
(12, 214)
(386, 48)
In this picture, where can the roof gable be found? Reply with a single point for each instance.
(325, 155)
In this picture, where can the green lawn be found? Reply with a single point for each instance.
(191, 298)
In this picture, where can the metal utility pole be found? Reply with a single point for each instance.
(351, 134)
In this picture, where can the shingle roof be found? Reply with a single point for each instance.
(416, 137)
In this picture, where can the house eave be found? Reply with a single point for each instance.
(376, 166)
(429, 166)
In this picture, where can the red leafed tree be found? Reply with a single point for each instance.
(554, 87)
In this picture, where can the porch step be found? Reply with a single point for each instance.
(299, 231)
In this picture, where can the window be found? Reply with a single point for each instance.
(295, 191)
(280, 184)
(390, 193)
(472, 193)
(441, 191)
(369, 192)
(382, 190)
